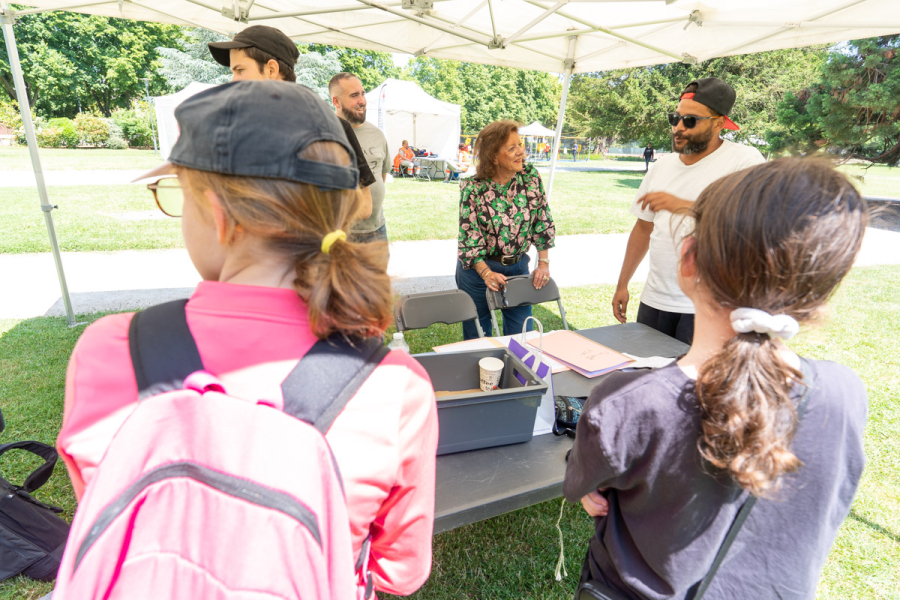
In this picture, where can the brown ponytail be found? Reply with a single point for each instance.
(347, 289)
(778, 237)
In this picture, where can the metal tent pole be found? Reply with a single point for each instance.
(570, 64)
(6, 19)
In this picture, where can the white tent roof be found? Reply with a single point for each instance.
(536, 129)
(404, 111)
(532, 34)
(396, 95)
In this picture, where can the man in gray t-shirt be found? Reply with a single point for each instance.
(349, 100)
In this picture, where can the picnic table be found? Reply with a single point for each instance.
(480, 484)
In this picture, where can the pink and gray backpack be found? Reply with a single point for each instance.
(204, 495)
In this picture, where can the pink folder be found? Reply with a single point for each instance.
(585, 356)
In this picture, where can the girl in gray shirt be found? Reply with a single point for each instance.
(665, 459)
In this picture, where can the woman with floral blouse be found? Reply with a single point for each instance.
(502, 211)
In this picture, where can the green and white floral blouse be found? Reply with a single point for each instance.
(503, 219)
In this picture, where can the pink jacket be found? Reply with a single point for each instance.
(251, 337)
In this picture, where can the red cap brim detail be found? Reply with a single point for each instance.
(729, 124)
(689, 95)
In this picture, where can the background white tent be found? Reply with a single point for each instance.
(403, 111)
(566, 36)
(536, 130)
(165, 106)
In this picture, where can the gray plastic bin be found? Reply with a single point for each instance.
(484, 419)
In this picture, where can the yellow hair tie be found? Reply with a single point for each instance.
(329, 240)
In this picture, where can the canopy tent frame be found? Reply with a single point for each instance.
(428, 31)
(6, 20)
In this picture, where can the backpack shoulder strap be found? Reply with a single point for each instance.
(325, 379)
(40, 475)
(163, 351)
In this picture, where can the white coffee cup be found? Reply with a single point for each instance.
(490, 369)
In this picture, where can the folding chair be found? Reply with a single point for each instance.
(418, 311)
(520, 292)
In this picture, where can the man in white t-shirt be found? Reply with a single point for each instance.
(664, 200)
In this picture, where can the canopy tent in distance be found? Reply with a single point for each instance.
(403, 111)
(536, 130)
(164, 107)
(566, 36)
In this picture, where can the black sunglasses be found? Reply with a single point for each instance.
(690, 121)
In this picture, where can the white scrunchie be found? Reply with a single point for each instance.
(745, 320)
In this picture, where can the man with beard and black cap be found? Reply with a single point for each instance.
(260, 53)
(699, 157)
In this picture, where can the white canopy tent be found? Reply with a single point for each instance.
(565, 36)
(403, 111)
(165, 106)
(536, 130)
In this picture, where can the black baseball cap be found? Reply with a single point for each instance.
(258, 129)
(268, 39)
(716, 94)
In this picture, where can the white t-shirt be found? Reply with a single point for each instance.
(669, 174)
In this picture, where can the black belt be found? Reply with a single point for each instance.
(504, 260)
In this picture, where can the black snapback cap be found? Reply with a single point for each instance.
(268, 39)
(258, 129)
(716, 94)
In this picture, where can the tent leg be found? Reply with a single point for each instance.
(570, 64)
(6, 18)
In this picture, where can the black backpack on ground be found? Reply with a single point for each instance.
(32, 537)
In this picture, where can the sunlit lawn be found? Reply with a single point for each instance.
(124, 217)
(80, 159)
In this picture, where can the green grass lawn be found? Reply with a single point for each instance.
(94, 218)
(513, 556)
(878, 180)
(115, 217)
(81, 159)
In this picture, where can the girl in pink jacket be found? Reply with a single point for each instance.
(265, 200)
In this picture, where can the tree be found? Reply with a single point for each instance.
(73, 61)
(193, 62)
(488, 93)
(371, 66)
(852, 110)
(630, 104)
(315, 70)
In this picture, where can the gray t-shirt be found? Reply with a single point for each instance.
(668, 516)
(375, 148)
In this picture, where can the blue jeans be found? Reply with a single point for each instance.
(469, 281)
(379, 235)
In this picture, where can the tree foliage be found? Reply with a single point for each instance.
(630, 104)
(487, 93)
(853, 109)
(192, 62)
(72, 61)
(371, 66)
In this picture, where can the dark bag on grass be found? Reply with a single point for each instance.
(32, 537)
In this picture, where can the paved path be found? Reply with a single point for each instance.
(117, 281)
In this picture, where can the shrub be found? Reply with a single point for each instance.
(116, 139)
(92, 130)
(135, 125)
(68, 131)
(50, 137)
